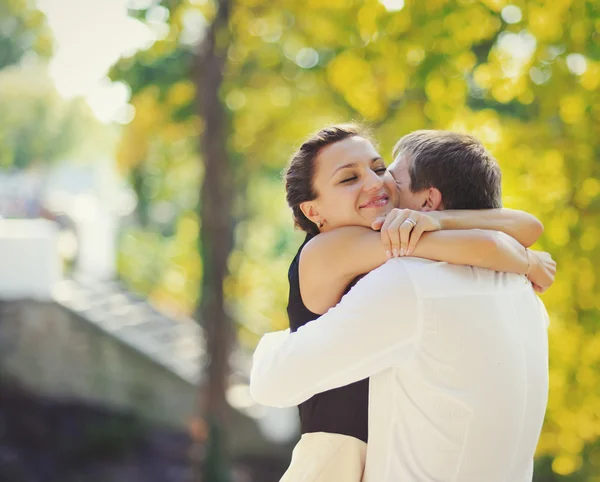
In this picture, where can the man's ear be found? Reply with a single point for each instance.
(310, 211)
(433, 201)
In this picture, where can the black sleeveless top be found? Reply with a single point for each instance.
(343, 410)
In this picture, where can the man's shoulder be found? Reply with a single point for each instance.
(392, 277)
(403, 268)
(433, 279)
(398, 267)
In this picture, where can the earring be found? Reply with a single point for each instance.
(320, 224)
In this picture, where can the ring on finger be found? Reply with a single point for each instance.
(408, 220)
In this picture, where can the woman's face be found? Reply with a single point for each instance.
(352, 184)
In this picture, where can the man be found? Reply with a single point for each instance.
(457, 355)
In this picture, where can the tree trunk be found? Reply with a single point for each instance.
(215, 246)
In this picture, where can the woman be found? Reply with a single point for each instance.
(337, 187)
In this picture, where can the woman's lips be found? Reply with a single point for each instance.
(376, 202)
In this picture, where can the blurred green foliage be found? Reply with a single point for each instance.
(37, 125)
(521, 76)
(23, 31)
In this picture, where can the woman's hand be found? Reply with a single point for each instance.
(542, 269)
(401, 230)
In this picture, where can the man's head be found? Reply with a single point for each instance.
(445, 170)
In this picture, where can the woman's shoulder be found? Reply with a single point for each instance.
(327, 246)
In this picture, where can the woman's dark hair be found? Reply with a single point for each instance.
(300, 173)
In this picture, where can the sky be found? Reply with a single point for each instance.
(90, 36)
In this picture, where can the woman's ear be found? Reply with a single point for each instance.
(310, 211)
(433, 201)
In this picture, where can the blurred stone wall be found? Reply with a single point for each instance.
(56, 354)
(149, 367)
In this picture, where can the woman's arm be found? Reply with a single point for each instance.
(520, 225)
(498, 252)
(330, 261)
(475, 247)
(402, 238)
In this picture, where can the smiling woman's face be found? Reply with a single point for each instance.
(352, 185)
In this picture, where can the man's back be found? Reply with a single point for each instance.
(458, 363)
(469, 401)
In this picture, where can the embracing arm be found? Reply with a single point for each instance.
(488, 249)
(402, 229)
(361, 336)
(330, 261)
(475, 247)
(520, 225)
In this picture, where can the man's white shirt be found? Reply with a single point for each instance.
(458, 360)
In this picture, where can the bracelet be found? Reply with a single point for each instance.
(528, 261)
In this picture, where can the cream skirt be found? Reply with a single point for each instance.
(327, 457)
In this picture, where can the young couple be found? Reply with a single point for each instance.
(430, 368)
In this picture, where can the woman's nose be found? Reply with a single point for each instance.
(374, 181)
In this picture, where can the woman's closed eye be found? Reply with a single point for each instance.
(380, 172)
